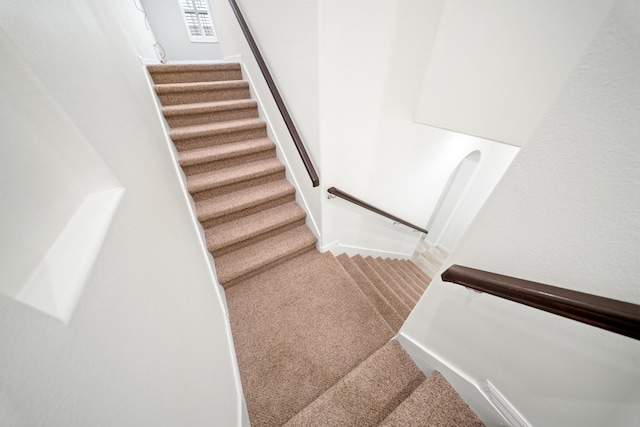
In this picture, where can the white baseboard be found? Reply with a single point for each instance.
(502, 405)
(338, 248)
(480, 397)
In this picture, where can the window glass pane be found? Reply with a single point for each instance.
(192, 22)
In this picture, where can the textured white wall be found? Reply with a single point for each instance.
(148, 343)
(167, 23)
(565, 213)
(497, 65)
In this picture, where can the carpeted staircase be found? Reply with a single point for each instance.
(313, 332)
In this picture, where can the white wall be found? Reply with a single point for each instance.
(565, 213)
(165, 18)
(373, 57)
(497, 65)
(350, 73)
(148, 343)
(287, 31)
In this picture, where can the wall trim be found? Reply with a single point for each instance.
(502, 405)
(469, 389)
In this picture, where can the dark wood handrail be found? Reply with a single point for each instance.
(313, 175)
(606, 313)
(348, 197)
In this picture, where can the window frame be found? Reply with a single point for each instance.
(198, 12)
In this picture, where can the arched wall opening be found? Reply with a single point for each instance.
(445, 225)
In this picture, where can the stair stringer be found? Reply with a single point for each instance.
(474, 392)
(241, 404)
(284, 155)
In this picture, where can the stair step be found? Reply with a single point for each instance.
(209, 112)
(234, 178)
(377, 299)
(199, 136)
(419, 273)
(408, 284)
(367, 394)
(213, 157)
(406, 287)
(391, 296)
(400, 267)
(185, 73)
(191, 93)
(244, 231)
(254, 259)
(231, 206)
(433, 403)
(409, 300)
(426, 266)
(435, 256)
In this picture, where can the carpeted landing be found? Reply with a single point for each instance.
(313, 332)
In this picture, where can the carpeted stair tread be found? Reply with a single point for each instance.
(207, 112)
(433, 404)
(409, 300)
(407, 279)
(418, 272)
(197, 92)
(243, 199)
(401, 268)
(255, 258)
(212, 129)
(298, 329)
(384, 307)
(234, 174)
(247, 228)
(367, 394)
(167, 88)
(405, 268)
(218, 153)
(173, 73)
(390, 295)
(406, 285)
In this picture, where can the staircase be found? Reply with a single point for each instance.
(313, 332)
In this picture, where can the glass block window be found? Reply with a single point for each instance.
(197, 17)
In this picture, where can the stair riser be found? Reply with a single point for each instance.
(220, 138)
(384, 289)
(419, 274)
(382, 306)
(195, 76)
(402, 294)
(229, 162)
(263, 236)
(211, 222)
(407, 286)
(237, 186)
(410, 277)
(277, 262)
(190, 119)
(193, 97)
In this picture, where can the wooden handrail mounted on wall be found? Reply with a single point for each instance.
(348, 197)
(612, 315)
(306, 160)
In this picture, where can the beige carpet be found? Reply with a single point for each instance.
(313, 333)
